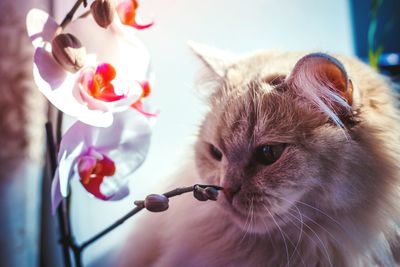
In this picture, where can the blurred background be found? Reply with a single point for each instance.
(28, 233)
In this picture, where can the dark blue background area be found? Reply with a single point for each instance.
(389, 12)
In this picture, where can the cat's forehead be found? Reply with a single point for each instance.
(258, 114)
(259, 66)
(249, 108)
(251, 113)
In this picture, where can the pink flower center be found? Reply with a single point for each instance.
(126, 10)
(138, 105)
(98, 83)
(92, 171)
(146, 88)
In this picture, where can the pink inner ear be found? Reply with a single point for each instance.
(322, 79)
(336, 79)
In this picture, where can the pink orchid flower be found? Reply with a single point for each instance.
(102, 158)
(127, 12)
(101, 88)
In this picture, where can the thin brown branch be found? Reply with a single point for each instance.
(84, 14)
(68, 18)
(140, 206)
(52, 151)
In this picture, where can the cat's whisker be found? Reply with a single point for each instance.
(313, 221)
(288, 237)
(266, 228)
(252, 218)
(307, 217)
(269, 234)
(318, 237)
(248, 222)
(306, 225)
(246, 229)
(296, 246)
(323, 228)
(280, 230)
(251, 212)
(293, 203)
(300, 233)
(301, 229)
(319, 210)
(336, 222)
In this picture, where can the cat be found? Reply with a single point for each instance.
(307, 149)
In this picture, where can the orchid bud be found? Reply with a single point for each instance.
(68, 52)
(204, 194)
(211, 193)
(156, 203)
(102, 12)
(199, 193)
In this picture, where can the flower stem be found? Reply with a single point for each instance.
(60, 116)
(68, 18)
(110, 228)
(139, 207)
(65, 237)
(84, 14)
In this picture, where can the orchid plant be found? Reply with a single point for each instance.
(107, 97)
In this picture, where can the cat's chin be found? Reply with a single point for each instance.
(256, 224)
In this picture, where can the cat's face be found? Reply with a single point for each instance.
(271, 146)
(253, 146)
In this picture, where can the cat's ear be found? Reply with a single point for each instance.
(324, 80)
(218, 61)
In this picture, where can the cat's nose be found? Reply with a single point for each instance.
(230, 189)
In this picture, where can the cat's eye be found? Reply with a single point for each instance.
(215, 153)
(268, 154)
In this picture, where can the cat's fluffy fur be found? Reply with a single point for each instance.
(331, 199)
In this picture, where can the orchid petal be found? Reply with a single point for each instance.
(115, 189)
(124, 103)
(56, 88)
(134, 54)
(140, 108)
(127, 50)
(93, 167)
(56, 196)
(142, 26)
(55, 84)
(65, 170)
(125, 142)
(124, 50)
(127, 126)
(97, 118)
(47, 72)
(62, 89)
(40, 26)
(93, 89)
(127, 12)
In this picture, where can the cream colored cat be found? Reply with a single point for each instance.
(307, 148)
